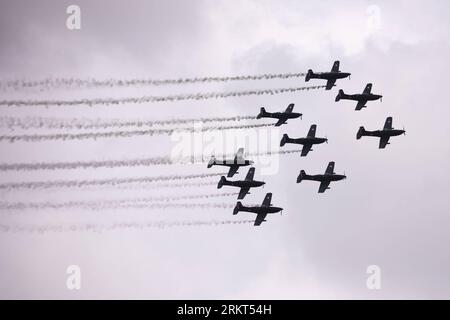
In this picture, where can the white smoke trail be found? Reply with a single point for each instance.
(120, 163)
(102, 182)
(174, 185)
(86, 164)
(55, 83)
(75, 123)
(152, 99)
(119, 134)
(94, 227)
(108, 204)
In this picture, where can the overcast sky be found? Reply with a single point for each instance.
(392, 211)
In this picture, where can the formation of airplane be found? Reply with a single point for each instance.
(307, 142)
(234, 164)
(245, 184)
(261, 211)
(281, 116)
(383, 134)
(331, 76)
(324, 179)
(362, 98)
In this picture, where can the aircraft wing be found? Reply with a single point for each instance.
(260, 219)
(312, 131)
(239, 154)
(383, 142)
(250, 174)
(368, 88)
(361, 104)
(267, 200)
(335, 67)
(388, 123)
(330, 84)
(232, 171)
(323, 186)
(280, 122)
(306, 148)
(289, 108)
(330, 168)
(243, 192)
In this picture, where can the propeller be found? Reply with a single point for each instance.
(326, 139)
(404, 131)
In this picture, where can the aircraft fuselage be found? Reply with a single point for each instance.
(324, 177)
(232, 163)
(282, 115)
(244, 183)
(383, 133)
(260, 209)
(329, 75)
(307, 140)
(361, 97)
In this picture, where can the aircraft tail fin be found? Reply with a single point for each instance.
(222, 182)
(301, 176)
(237, 208)
(284, 139)
(262, 113)
(212, 161)
(340, 95)
(308, 75)
(360, 133)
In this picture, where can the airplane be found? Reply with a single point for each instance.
(324, 179)
(384, 134)
(281, 116)
(261, 211)
(362, 98)
(331, 76)
(306, 142)
(234, 164)
(245, 185)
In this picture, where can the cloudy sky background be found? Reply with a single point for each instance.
(392, 211)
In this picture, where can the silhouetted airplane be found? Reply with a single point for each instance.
(245, 185)
(234, 164)
(384, 134)
(281, 116)
(306, 142)
(261, 211)
(331, 76)
(324, 179)
(361, 98)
